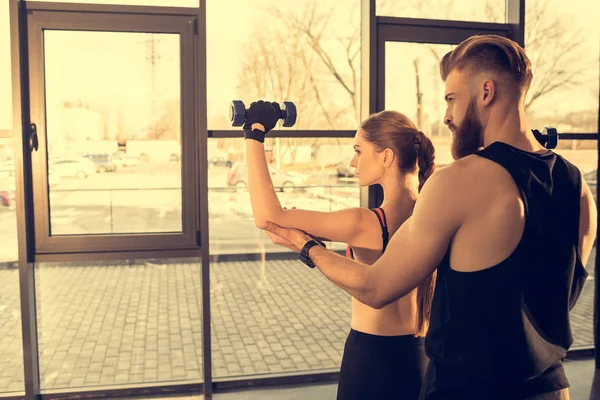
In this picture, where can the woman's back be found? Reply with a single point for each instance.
(400, 317)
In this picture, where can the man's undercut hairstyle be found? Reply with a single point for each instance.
(490, 53)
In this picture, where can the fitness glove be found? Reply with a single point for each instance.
(262, 112)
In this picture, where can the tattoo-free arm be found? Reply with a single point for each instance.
(413, 253)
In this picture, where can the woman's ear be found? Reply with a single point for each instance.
(387, 157)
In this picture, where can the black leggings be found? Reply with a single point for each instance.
(381, 367)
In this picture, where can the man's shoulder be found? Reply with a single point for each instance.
(474, 178)
(470, 170)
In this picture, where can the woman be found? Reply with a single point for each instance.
(383, 356)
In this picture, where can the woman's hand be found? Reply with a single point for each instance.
(293, 239)
(262, 115)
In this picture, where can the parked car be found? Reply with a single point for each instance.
(103, 162)
(286, 181)
(220, 162)
(123, 160)
(79, 167)
(7, 191)
(344, 170)
(7, 198)
(7, 169)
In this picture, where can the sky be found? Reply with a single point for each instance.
(230, 25)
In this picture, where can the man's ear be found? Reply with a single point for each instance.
(488, 92)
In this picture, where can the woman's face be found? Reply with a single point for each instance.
(367, 161)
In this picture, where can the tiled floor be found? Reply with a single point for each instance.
(105, 324)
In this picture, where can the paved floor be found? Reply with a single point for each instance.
(140, 322)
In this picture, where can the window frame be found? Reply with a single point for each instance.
(50, 16)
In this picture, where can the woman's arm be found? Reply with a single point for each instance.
(338, 226)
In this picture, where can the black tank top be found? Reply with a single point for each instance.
(503, 332)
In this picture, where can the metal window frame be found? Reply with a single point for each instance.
(277, 133)
(46, 16)
(24, 209)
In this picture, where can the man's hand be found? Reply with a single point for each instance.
(262, 115)
(293, 239)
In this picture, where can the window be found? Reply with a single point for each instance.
(5, 76)
(462, 10)
(273, 315)
(113, 132)
(312, 174)
(413, 87)
(563, 41)
(308, 52)
(116, 129)
(584, 154)
(11, 341)
(118, 323)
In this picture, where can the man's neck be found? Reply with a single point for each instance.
(509, 125)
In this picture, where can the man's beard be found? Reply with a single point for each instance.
(466, 139)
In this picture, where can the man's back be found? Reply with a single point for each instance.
(499, 324)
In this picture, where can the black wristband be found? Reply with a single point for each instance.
(255, 134)
(303, 256)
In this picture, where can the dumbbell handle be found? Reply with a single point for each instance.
(238, 113)
(282, 114)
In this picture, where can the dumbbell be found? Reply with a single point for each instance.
(237, 113)
(547, 138)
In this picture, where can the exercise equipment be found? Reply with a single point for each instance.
(238, 112)
(547, 138)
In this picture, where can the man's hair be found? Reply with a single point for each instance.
(490, 53)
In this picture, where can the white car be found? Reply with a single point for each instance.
(77, 167)
(124, 160)
(7, 169)
(284, 181)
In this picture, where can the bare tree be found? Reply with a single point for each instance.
(555, 49)
(312, 26)
(295, 56)
(167, 126)
(440, 9)
(292, 58)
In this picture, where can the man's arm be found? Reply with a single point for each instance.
(413, 253)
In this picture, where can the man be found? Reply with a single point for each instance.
(508, 226)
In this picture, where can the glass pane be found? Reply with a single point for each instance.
(165, 3)
(584, 154)
(460, 10)
(114, 132)
(5, 73)
(312, 174)
(413, 87)
(119, 323)
(11, 341)
(562, 40)
(270, 316)
(308, 53)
